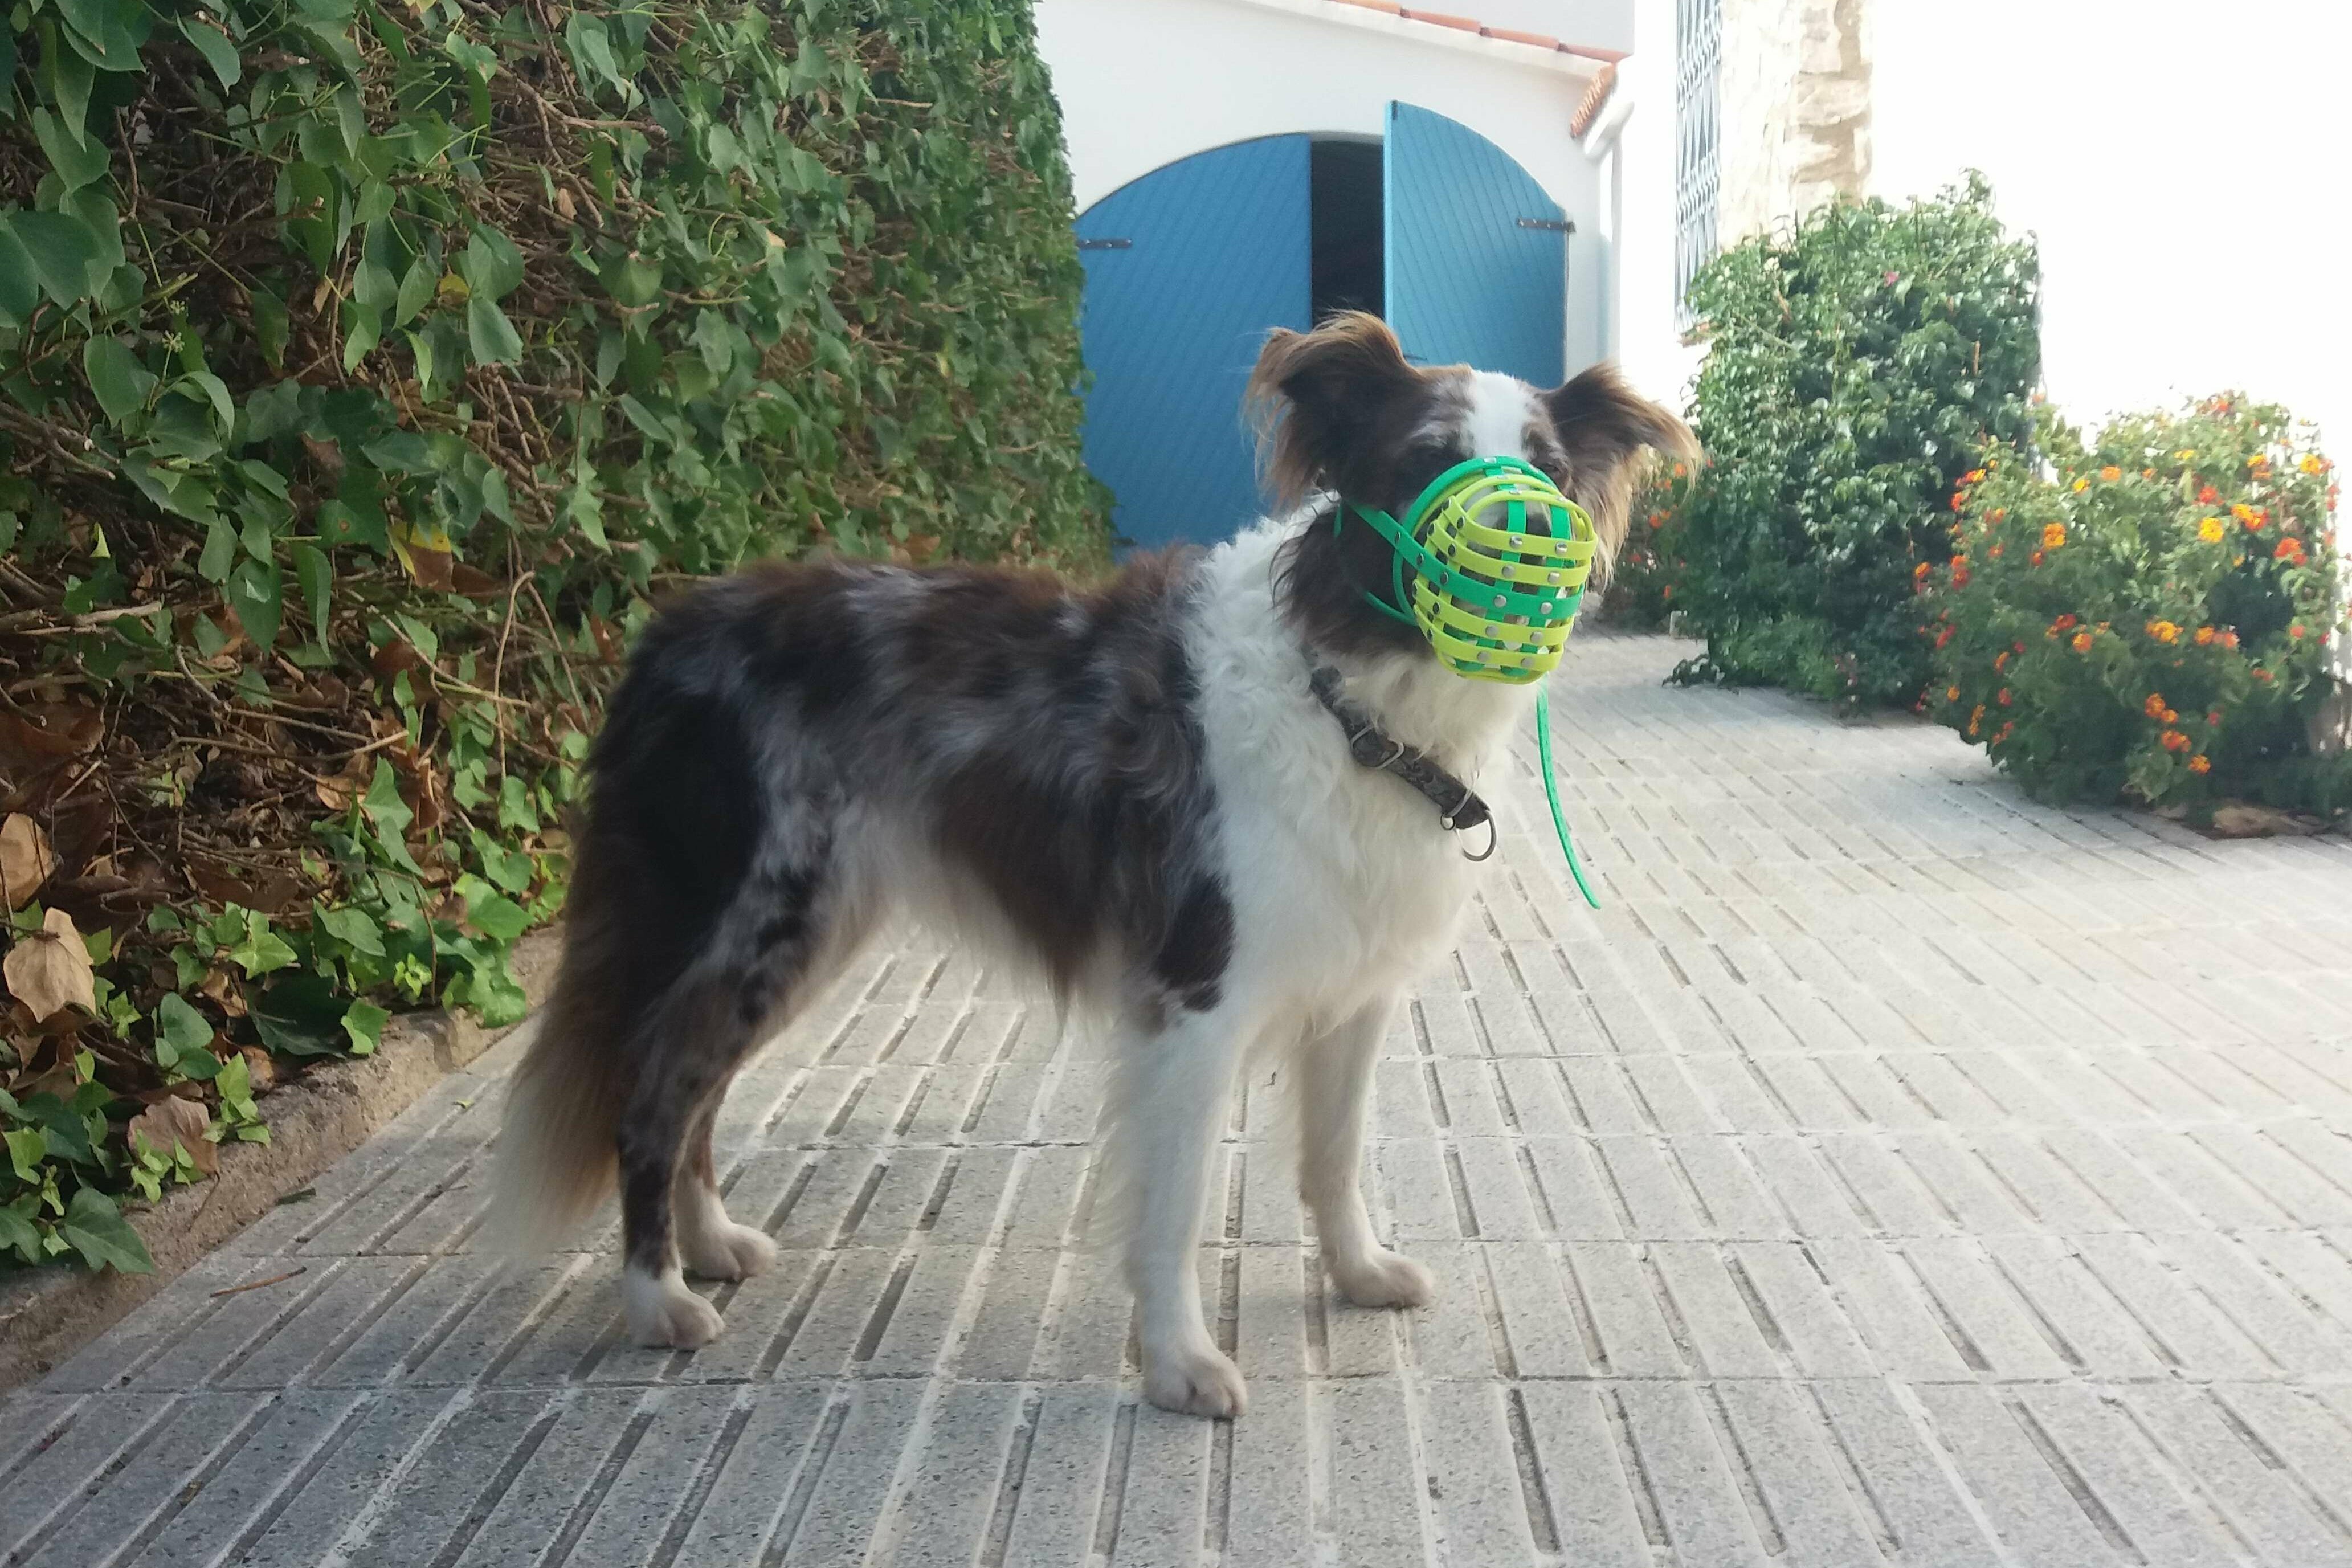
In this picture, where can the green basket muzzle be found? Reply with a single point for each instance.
(1500, 560)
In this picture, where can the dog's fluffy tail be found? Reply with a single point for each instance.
(556, 1158)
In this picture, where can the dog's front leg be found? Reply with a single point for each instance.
(1335, 1094)
(1174, 1090)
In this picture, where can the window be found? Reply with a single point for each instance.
(1698, 58)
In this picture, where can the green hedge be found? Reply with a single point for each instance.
(366, 368)
(1855, 364)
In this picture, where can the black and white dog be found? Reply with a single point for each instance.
(1130, 789)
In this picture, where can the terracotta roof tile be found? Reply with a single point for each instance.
(1502, 35)
(1587, 109)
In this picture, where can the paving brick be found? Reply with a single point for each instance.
(1894, 1170)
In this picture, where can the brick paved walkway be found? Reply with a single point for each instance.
(1894, 1172)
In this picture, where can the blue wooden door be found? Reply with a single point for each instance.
(1186, 269)
(1477, 253)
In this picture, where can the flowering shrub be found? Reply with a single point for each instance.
(1641, 592)
(2146, 617)
(1855, 366)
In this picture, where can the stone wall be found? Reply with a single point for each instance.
(1795, 109)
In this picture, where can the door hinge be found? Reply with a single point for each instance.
(1550, 224)
(1106, 245)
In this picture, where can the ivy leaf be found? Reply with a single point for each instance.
(214, 46)
(318, 577)
(75, 162)
(62, 249)
(386, 812)
(355, 928)
(416, 291)
(254, 594)
(220, 550)
(95, 1227)
(117, 378)
(363, 1024)
(27, 1148)
(492, 912)
(20, 284)
(17, 1231)
(489, 334)
(181, 1027)
(301, 1016)
(491, 265)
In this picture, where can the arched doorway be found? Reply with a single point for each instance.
(1433, 225)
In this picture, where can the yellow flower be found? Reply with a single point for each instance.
(2210, 530)
(2312, 465)
(2082, 485)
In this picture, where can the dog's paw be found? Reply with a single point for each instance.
(1385, 1279)
(1197, 1381)
(727, 1251)
(662, 1312)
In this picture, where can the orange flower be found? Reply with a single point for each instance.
(2211, 530)
(2154, 706)
(2163, 631)
(2111, 473)
(1921, 570)
(2207, 495)
(2200, 764)
(2252, 517)
(2054, 534)
(1976, 719)
(1997, 513)
(2289, 551)
(2035, 558)
(1994, 553)
(2227, 640)
(1960, 499)
(2062, 623)
(2295, 631)
(2261, 673)
(2174, 740)
(2204, 635)
(2171, 717)
(2004, 733)
(1951, 694)
(2000, 664)
(2082, 642)
(1943, 636)
(1960, 571)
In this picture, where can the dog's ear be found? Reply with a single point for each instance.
(1603, 425)
(1318, 401)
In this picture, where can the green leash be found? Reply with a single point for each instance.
(1551, 793)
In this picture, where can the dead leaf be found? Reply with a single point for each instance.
(2243, 819)
(172, 1120)
(220, 982)
(25, 859)
(49, 970)
(474, 582)
(564, 203)
(260, 1069)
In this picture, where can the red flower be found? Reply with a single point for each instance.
(1943, 636)
(2003, 699)
(2174, 740)
(2207, 495)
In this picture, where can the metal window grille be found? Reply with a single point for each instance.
(1698, 59)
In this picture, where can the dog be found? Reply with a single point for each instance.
(1131, 791)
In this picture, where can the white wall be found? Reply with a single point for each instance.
(1646, 344)
(2185, 168)
(1145, 82)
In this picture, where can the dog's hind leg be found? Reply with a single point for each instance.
(709, 1243)
(694, 1043)
(1170, 1096)
(1335, 1094)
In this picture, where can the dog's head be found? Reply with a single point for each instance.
(1340, 410)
